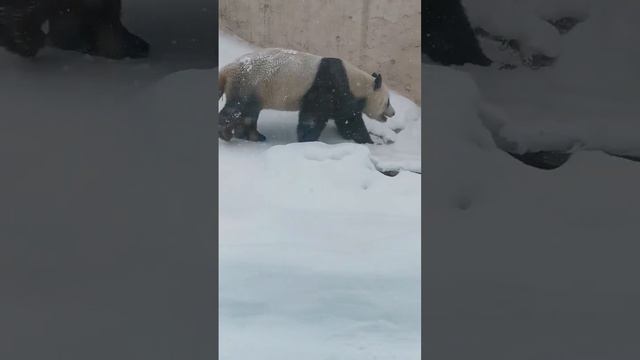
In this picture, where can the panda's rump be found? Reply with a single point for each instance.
(279, 78)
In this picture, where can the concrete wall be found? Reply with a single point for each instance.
(376, 35)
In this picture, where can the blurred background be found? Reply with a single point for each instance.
(182, 33)
(521, 262)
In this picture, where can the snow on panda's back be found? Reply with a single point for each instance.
(279, 77)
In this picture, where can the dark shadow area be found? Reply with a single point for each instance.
(182, 33)
(108, 235)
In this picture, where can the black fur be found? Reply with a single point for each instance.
(88, 26)
(20, 22)
(239, 118)
(447, 36)
(330, 98)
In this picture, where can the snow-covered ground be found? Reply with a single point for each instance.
(319, 251)
(107, 244)
(523, 263)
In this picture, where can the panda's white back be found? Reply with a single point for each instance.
(279, 77)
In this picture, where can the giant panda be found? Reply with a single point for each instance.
(447, 36)
(88, 26)
(320, 88)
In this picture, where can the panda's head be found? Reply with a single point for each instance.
(378, 106)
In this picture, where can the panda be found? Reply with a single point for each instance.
(87, 26)
(320, 88)
(447, 36)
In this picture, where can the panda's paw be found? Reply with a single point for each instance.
(225, 134)
(256, 136)
(118, 43)
(25, 43)
(135, 47)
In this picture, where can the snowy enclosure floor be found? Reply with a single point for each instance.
(319, 251)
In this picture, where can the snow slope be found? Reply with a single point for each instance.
(319, 251)
(523, 263)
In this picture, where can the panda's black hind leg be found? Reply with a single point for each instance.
(239, 118)
(20, 26)
(247, 129)
(227, 120)
(254, 134)
(310, 126)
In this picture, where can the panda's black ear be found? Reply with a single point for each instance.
(377, 83)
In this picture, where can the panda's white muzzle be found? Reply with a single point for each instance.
(390, 112)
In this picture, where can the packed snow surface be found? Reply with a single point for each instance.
(319, 251)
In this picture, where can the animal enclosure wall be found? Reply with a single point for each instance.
(376, 35)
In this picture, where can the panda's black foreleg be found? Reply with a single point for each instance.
(310, 126)
(353, 128)
(239, 118)
(343, 129)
